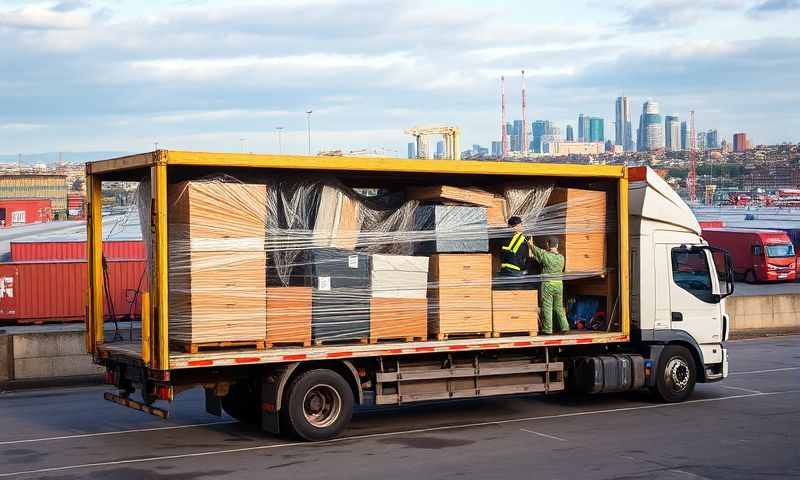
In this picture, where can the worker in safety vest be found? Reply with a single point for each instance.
(552, 291)
(514, 254)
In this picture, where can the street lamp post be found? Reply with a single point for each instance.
(280, 143)
(308, 123)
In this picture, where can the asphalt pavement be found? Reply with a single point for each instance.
(744, 427)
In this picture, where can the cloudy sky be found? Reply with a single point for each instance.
(205, 75)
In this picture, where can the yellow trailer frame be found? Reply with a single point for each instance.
(156, 166)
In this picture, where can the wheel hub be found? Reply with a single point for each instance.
(322, 406)
(677, 373)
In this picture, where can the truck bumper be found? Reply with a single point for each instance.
(717, 371)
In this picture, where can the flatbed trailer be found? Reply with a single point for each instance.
(310, 391)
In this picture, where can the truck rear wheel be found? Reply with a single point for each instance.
(242, 403)
(319, 405)
(676, 375)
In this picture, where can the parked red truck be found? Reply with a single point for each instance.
(758, 255)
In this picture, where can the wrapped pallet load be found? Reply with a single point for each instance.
(399, 305)
(460, 295)
(452, 228)
(341, 295)
(217, 264)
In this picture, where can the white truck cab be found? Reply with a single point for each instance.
(678, 282)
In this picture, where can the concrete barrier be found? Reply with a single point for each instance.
(764, 313)
(46, 354)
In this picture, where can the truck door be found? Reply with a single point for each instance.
(694, 306)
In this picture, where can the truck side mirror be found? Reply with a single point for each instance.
(724, 268)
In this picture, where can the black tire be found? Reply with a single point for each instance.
(750, 277)
(676, 375)
(242, 403)
(318, 405)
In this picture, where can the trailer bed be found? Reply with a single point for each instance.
(131, 352)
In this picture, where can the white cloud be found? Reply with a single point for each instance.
(42, 18)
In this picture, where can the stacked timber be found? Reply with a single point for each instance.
(455, 229)
(515, 311)
(399, 306)
(581, 215)
(217, 264)
(288, 316)
(460, 295)
(338, 220)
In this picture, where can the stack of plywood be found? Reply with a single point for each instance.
(515, 311)
(341, 295)
(460, 295)
(580, 218)
(338, 220)
(288, 316)
(399, 305)
(217, 264)
(456, 228)
(495, 204)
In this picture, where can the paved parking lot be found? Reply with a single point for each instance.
(744, 427)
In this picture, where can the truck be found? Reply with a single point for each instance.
(758, 255)
(666, 286)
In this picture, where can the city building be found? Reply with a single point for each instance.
(623, 134)
(538, 129)
(725, 146)
(52, 187)
(517, 142)
(440, 149)
(685, 136)
(740, 142)
(596, 133)
(572, 148)
(570, 134)
(650, 135)
(672, 133)
(712, 139)
(583, 127)
(497, 149)
(412, 150)
(701, 141)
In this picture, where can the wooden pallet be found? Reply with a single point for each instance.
(288, 343)
(449, 335)
(398, 338)
(524, 333)
(189, 347)
(362, 341)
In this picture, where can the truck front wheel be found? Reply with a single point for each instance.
(319, 405)
(676, 375)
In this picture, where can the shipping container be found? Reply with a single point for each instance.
(712, 224)
(53, 187)
(22, 211)
(76, 205)
(56, 291)
(26, 251)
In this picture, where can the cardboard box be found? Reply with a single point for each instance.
(457, 229)
(515, 311)
(399, 276)
(405, 318)
(288, 315)
(460, 295)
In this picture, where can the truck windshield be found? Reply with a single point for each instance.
(780, 250)
(690, 271)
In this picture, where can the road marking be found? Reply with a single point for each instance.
(389, 434)
(118, 432)
(544, 435)
(786, 369)
(740, 389)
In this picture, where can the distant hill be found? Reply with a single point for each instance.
(52, 157)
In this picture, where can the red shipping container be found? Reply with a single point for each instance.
(712, 224)
(76, 205)
(20, 211)
(76, 250)
(56, 291)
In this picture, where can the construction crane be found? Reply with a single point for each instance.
(451, 135)
(691, 180)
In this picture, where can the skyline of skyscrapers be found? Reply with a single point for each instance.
(650, 135)
(583, 127)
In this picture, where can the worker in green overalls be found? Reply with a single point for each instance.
(552, 292)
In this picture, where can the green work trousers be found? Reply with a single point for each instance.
(553, 306)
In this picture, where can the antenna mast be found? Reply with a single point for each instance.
(524, 120)
(691, 182)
